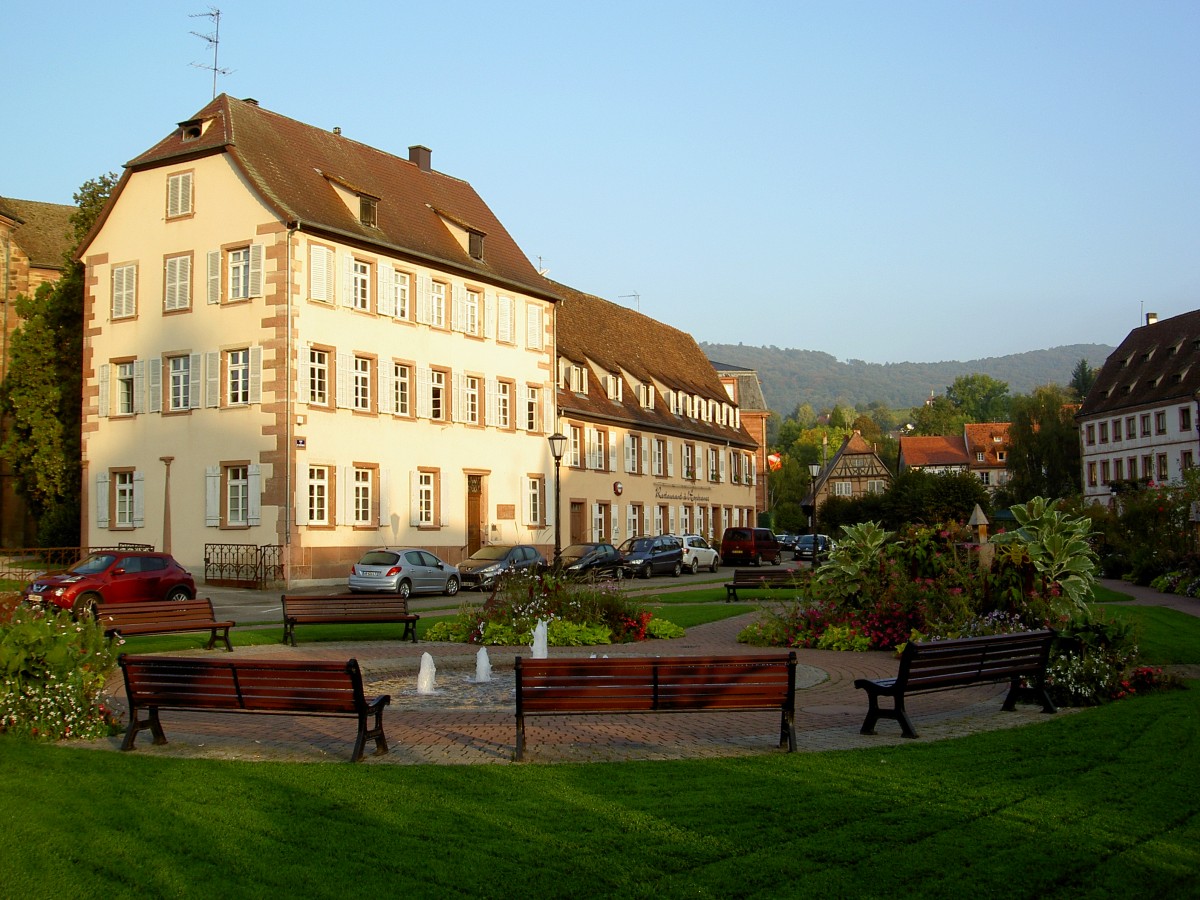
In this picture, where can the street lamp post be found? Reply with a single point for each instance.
(814, 470)
(558, 445)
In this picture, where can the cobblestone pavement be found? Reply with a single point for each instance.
(462, 723)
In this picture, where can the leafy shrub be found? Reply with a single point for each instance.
(663, 629)
(52, 674)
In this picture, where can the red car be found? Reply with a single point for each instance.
(113, 576)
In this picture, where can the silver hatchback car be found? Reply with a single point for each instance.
(403, 571)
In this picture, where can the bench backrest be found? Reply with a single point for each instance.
(656, 683)
(344, 605)
(961, 661)
(114, 615)
(261, 685)
(768, 576)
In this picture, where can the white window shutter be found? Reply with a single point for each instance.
(504, 324)
(533, 326)
(630, 453)
(671, 520)
(721, 457)
(254, 492)
(212, 496)
(214, 276)
(614, 520)
(489, 314)
(139, 499)
(345, 493)
(347, 286)
(492, 411)
(424, 299)
(256, 353)
(256, 270)
(212, 380)
(612, 453)
(424, 392)
(645, 455)
(595, 517)
(194, 380)
(670, 459)
(139, 385)
(319, 278)
(525, 488)
(102, 499)
(457, 315)
(156, 384)
(385, 505)
(345, 391)
(458, 403)
(102, 401)
(387, 387)
(387, 290)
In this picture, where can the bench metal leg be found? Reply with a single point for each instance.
(410, 632)
(136, 725)
(1034, 693)
(364, 733)
(520, 738)
(787, 731)
(874, 714)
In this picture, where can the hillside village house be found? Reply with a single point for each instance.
(295, 339)
(655, 441)
(982, 449)
(35, 239)
(854, 471)
(745, 390)
(1139, 421)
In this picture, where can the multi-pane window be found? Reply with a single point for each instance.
(363, 483)
(122, 493)
(504, 404)
(237, 375)
(437, 306)
(401, 389)
(362, 383)
(659, 454)
(470, 313)
(1186, 460)
(124, 386)
(1185, 418)
(1145, 424)
(426, 494)
(179, 380)
(360, 285)
(400, 288)
(1105, 471)
(843, 489)
(1160, 422)
(239, 274)
(1163, 472)
(124, 291)
(534, 494)
(179, 194)
(318, 495)
(177, 283)
(533, 408)
(1104, 432)
(1116, 429)
(318, 377)
(1131, 429)
(689, 461)
(1091, 434)
(237, 495)
(471, 399)
(1118, 469)
(1147, 466)
(437, 395)
(576, 457)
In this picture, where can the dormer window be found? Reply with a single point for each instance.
(646, 396)
(614, 387)
(475, 244)
(368, 211)
(193, 129)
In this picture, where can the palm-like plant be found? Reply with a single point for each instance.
(1059, 548)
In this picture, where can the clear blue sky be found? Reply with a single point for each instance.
(887, 181)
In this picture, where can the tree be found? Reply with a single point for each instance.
(42, 392)
(938, 417)
(1043, 451)
(1083, 376)
(980, 398)
(919, 497)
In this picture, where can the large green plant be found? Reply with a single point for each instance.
(1059, 548)
(854, 566)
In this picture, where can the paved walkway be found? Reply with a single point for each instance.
(464, 723)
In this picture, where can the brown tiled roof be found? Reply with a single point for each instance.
(291, 165)
(988, 438)
(610, 338)
(749, 388)
(918, 451)
(44, 231)
(1155, 364)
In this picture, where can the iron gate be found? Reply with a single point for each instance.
(243, 565)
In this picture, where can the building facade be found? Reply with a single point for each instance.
(1138, 423)
(745, 390)
(293, 339)
(656, 445)
(855, 471)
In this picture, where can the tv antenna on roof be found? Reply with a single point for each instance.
(636, 297)
(214, 41)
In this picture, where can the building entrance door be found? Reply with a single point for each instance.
(579, 532)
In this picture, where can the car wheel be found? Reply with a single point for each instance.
(716, 564)
(675, 572)
(695, 567)
(758, 559)
(646, 573)
(778, 560)
(85, 605)
(178, 595)
(404, 589)
(621, 574)
(451, 586)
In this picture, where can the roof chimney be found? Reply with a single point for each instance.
(1151, 318)
(421, 156)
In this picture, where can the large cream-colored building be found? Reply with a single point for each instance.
(298, 343)
(295, 339)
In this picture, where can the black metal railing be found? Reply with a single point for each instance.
(243, 565)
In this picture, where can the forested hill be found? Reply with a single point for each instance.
(792, 377)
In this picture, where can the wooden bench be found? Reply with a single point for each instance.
(300, 609)
(280, 687)
(554, 687)
(767, 579)
(163, 617)
(960, 662)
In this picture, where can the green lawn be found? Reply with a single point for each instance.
(1098, 803)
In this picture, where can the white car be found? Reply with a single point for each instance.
(697, 554)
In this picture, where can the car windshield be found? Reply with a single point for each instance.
(97, 562)
(575, 551)
(491, 553)
(379, 558)
(806, 540)
(637, 545)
